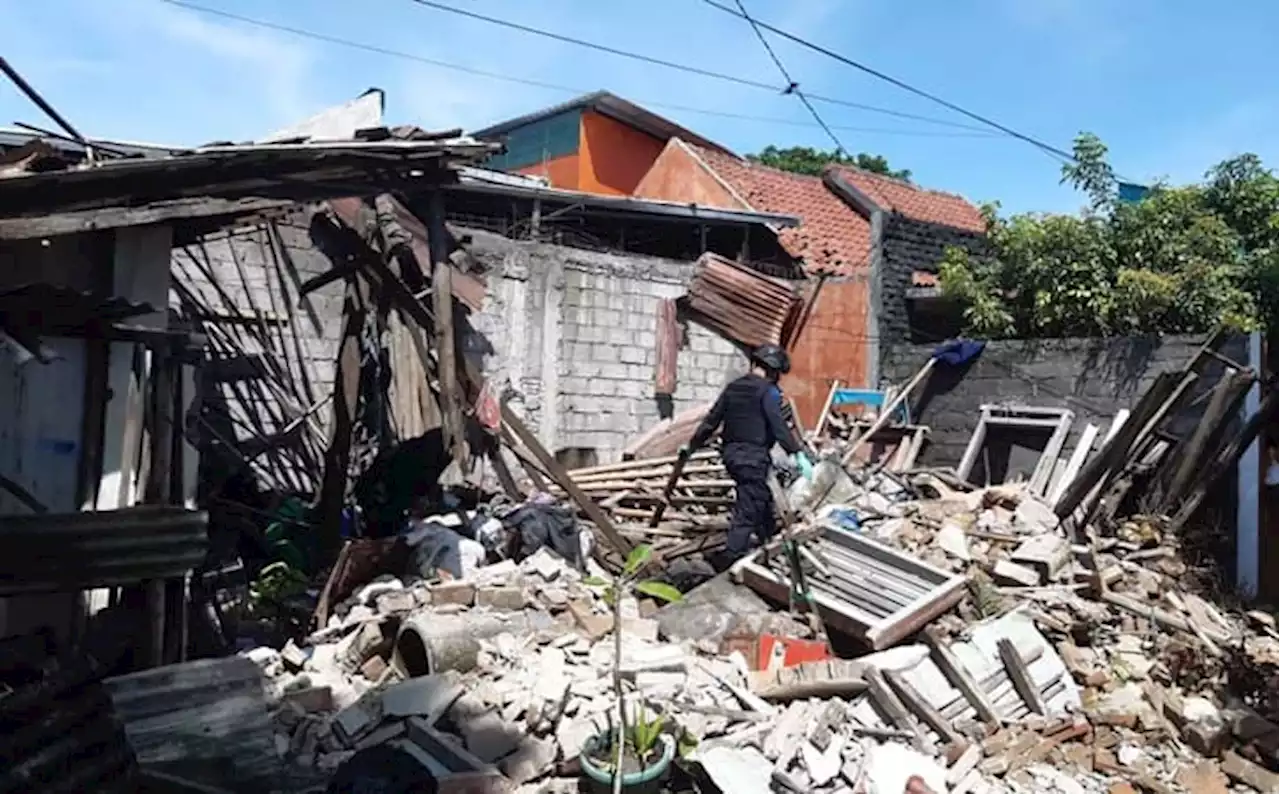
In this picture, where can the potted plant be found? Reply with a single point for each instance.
(636, 754)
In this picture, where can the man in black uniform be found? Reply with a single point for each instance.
(750, 410)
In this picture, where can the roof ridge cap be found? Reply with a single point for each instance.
(904, 183)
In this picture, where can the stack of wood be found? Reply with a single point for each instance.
(696, 515)
(1168, 463)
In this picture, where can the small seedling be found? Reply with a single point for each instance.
(641, 737)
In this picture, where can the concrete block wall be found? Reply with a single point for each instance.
(1094, 378)
(574, 333)
(316, 318)
(571, 332)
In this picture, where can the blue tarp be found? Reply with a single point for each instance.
(958, 352)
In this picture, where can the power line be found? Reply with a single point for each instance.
(379, 50)
(654, 61)
(892, 80)
(792, 86)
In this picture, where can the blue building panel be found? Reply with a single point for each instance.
(543, 140)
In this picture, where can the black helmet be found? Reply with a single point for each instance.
(772, 358)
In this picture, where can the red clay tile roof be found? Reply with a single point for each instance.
(833, 237)
(930, 206)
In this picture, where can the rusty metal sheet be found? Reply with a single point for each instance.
(833, 346)
(741, 305)
(666, 437)
(53, 552)
(212, 710)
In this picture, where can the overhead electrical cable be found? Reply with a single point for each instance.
(655, 61)
(792, 86)
(964, 132)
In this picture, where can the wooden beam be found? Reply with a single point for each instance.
(116, 217)
(921, 708)
(337, 457)
(960, 679)
(890, 706)
(445, 343)
(1018, 673)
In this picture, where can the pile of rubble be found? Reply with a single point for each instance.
(1179, 695)
(1038, 682)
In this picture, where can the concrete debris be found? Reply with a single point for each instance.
(1077, 669)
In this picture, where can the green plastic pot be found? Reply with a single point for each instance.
(634, 781)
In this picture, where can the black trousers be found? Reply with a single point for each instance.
(753, 509)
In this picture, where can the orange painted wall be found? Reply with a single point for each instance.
(614, 157)
(562, 171)
(678, 176)
(832, 346)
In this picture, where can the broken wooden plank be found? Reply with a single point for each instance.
(1020, 676)
(914, 701)
(961, 680)
(888, 704)
(1250, 774)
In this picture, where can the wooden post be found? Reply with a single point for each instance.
(337, 457)
(156, 491)
(452, 422)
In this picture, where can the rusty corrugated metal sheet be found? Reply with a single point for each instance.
(667, 354)
(207, 710)
(58, 732)
(79, 551)
(666, 437)
(740, 304)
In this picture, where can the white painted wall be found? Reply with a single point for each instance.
(40, 413)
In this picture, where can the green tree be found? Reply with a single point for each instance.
(1180, 260)
(810, 161)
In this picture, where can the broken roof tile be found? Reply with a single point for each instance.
(834, 238)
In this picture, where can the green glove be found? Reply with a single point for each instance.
(804, 465)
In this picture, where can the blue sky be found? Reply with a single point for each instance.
(1172, 86)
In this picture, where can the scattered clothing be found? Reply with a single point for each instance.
(555, 527)
(435, 547)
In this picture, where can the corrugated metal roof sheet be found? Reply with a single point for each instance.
(57, 729)
(79, 551)
(206, 710)
(290, 171)
(740, 304)
(42, 305)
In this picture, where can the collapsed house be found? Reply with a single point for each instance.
(1022, 609)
